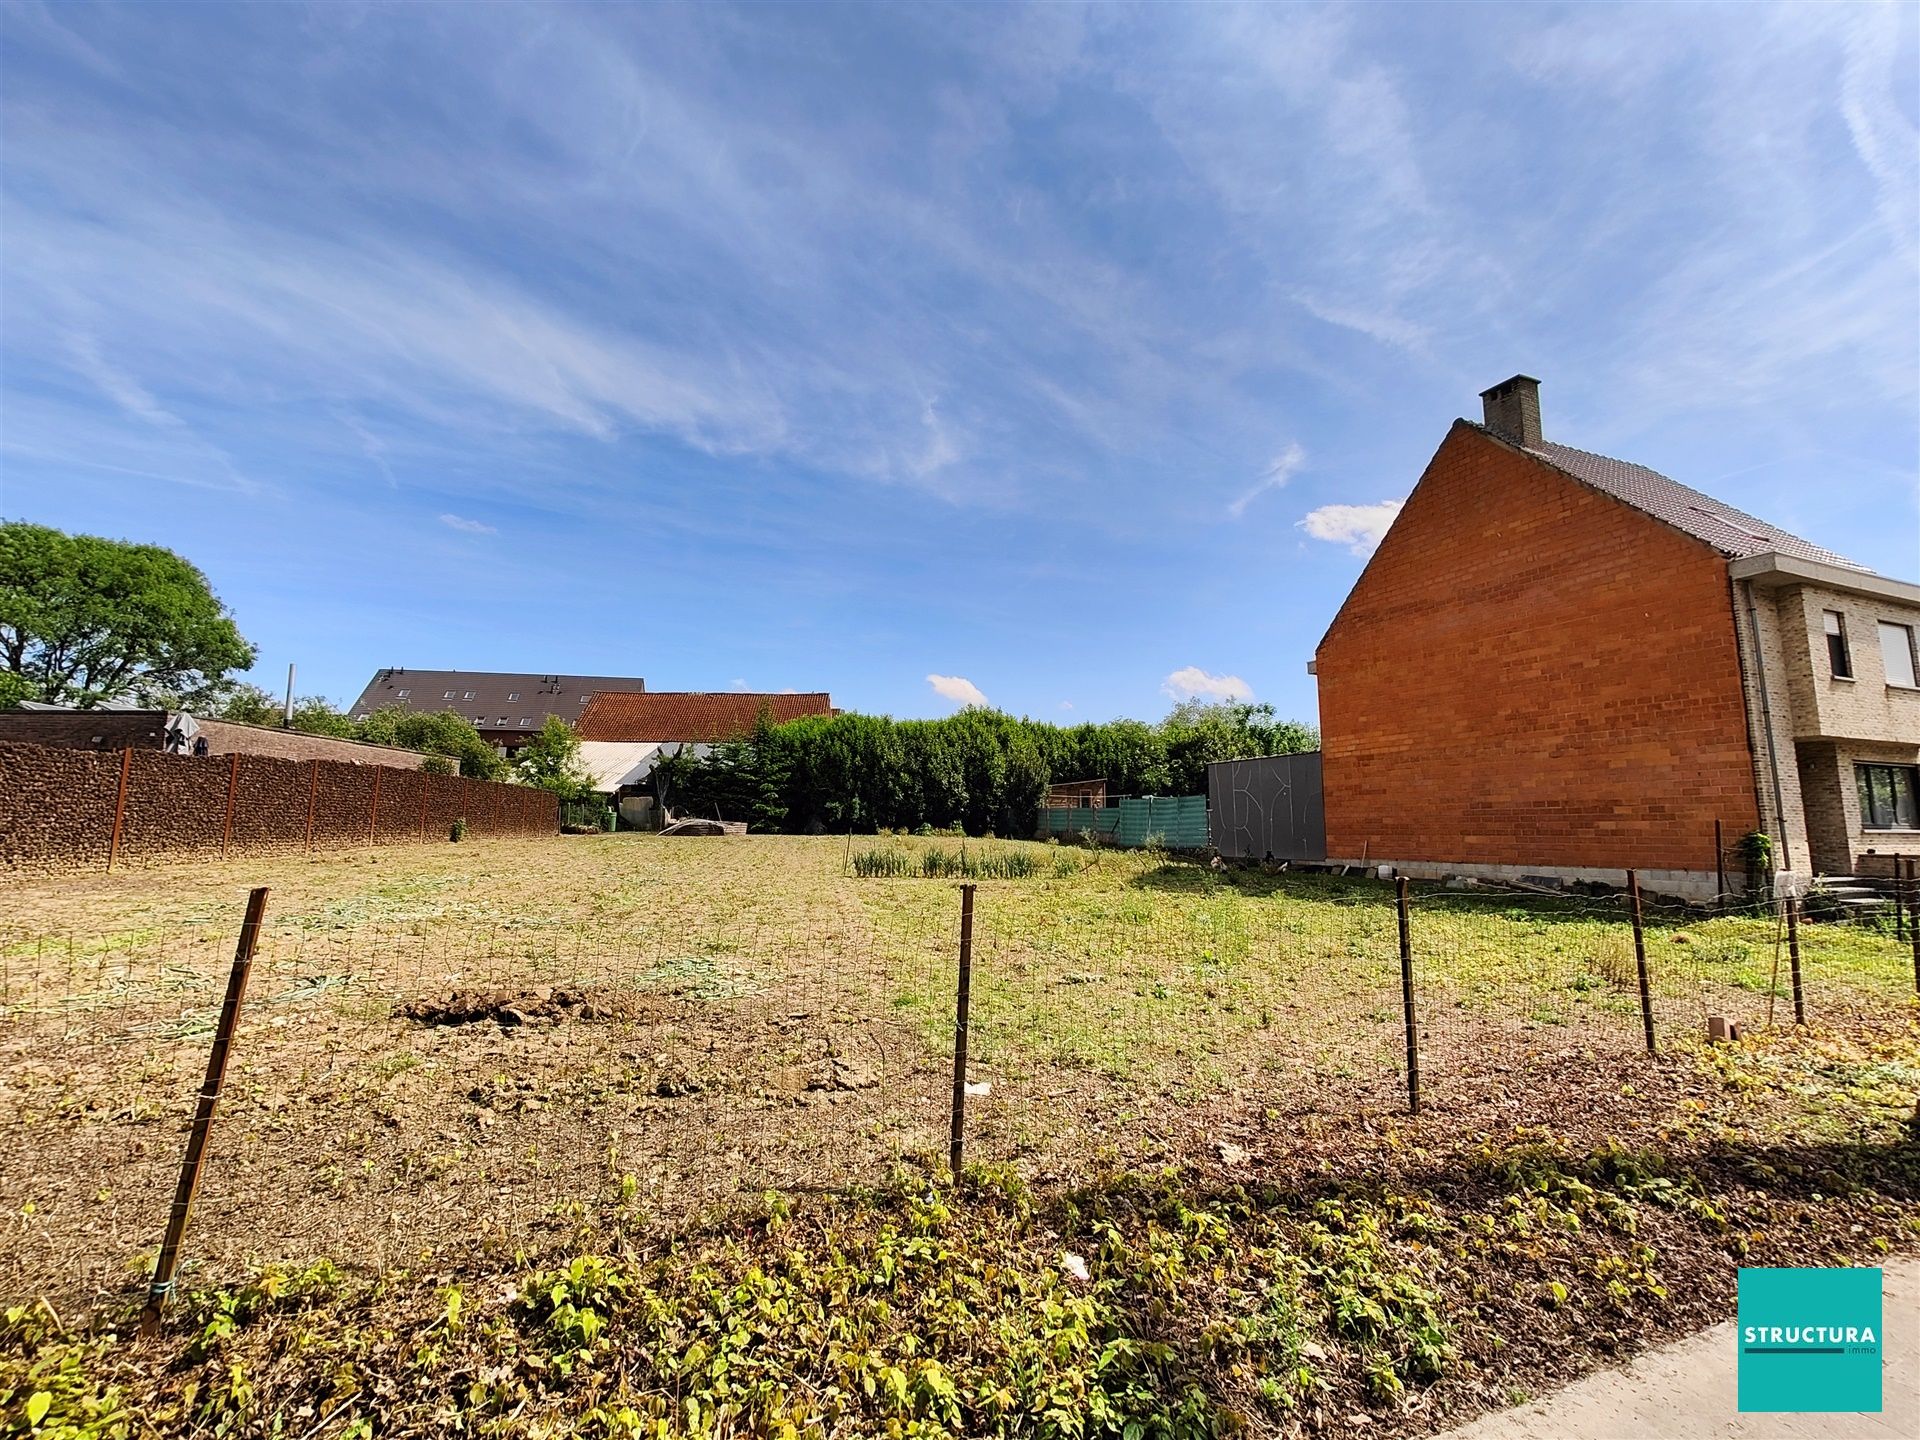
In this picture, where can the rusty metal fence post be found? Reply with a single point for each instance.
(1402, 906)
(1719, 866)
(119, 807)
(1640, 955)
(161, 1286)
(233, 794)
(373, 811)
(313, 798)
(1913, 917)
(956, 1133)
(1793, 959)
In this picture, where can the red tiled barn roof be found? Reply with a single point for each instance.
(691, 715)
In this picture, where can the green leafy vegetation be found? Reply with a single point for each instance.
(976, 773)
(551, 761)
(85, 619)
(937, 862)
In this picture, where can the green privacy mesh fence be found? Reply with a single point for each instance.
(1179, 822)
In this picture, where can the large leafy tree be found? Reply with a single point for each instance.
(551, 760)
(84, 619)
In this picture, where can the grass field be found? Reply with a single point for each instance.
(462, 1054)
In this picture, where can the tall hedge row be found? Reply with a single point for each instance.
(982, 770)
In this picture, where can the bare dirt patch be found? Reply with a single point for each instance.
(508, 1008)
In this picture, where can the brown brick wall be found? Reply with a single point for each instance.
(146, 730)
(86, 729)
(224, 736)
(57, 806)
(1531, 673)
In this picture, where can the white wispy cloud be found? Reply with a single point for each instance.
(1284, 467)
(1193, 683)
(1358, 527)
(957, 688)
(466, 526)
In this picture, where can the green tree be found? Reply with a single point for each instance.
(551, 761)
(247, 704)
(318, 717)
(85, 619)
(251, 705)
(445, 733)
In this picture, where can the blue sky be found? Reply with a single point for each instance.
(1069, 356)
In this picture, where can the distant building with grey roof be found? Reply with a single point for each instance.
(508, 708)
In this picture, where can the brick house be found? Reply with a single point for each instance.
(1562, 664)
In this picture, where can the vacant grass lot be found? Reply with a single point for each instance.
(464, 1061)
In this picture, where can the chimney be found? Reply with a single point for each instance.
(1513, 410)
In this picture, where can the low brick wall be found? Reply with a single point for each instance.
(58, 807)
(147, 730)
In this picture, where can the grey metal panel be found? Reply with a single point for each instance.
(1268, 808)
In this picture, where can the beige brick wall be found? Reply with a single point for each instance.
(1825, 706)
(1836, 723)
(1841, 844)
(1770, 711)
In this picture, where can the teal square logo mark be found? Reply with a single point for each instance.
(1809, 1340)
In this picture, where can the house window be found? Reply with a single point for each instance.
(447, 696)
(1887, 796)
(514, 695)
(526, 720)
(1896, 648)
(1839, 658)
(403, 693)
(468, 695)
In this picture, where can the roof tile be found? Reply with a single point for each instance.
(691, 716)
(1732, 532)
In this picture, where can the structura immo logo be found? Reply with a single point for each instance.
(1809, 1340)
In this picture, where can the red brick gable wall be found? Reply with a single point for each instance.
(1531, 673)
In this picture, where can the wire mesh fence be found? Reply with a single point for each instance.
(400, 1088)
(406, 1084)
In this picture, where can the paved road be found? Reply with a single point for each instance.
(1686, 1391)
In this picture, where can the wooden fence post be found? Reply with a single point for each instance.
(119, 807)
(1793, 957)
(1403, 909)
(233, 792)
(956, 1132)
(161, 1286)
(1640, 956)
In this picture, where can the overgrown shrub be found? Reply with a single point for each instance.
(879, 864)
